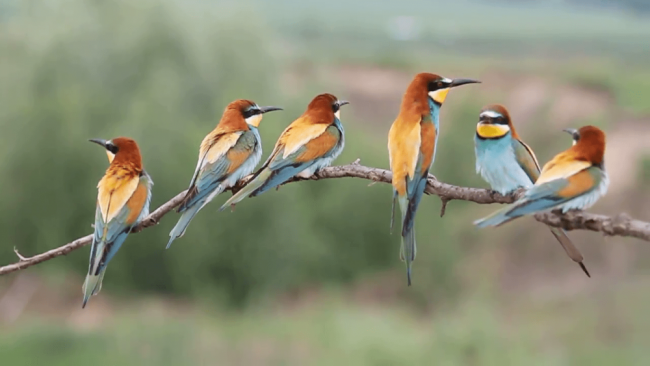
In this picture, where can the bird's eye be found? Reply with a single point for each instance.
(439, 84)
(250, 112)
(335, 107)
(112, 148)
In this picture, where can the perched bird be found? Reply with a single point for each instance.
(308, 144)
(122, 202)
(227, 154)
(412, 144)
(507, 163)
(573, 180)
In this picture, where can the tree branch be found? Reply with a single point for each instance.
(620, 225)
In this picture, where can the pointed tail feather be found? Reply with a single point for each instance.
(92, 286)
(408, 247)
(497, 218)
(569, 248)
(257, 182)
(183, 222)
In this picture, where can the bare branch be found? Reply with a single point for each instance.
(22, 259)
(443, 208)
(150, 220)
(620, 225)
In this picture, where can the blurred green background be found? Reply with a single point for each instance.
(309, 275)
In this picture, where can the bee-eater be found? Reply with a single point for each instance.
(412, 144)
(308, 144)
(573, 180)
(507, 163)
(227, 154)
(123, 200)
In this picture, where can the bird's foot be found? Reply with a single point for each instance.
(232, 207)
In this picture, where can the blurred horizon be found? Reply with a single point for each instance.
(309, 274)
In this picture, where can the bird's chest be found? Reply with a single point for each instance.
(497, 164)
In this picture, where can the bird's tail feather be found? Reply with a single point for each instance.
(497, 218)
(183, 222)
(569, 248)
(257, 182)
(92, 285)
(408, 248)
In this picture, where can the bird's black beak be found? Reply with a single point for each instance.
(459, 82)
(99, 142)
(342, 102)
(570, 131)
(269, 109)
(575, 134)
(485, 120)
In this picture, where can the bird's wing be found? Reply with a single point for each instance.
(109, 235)
(561, 166)
(553, 193)
(404, 140)
(299, 133)
(279, 169)
(526, 159)
(115, 189)
(547, 196)
(416, 184)
(212, 149)
(218, 165)
(317, 147)
(298, 148)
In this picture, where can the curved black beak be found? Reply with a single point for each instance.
(570, 131)
(459, 82)
(101, 142)
(575, 134)
(342, 102)
(269, 109)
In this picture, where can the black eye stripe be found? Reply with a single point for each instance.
(250, 112)
(112, 148)
(435, 85)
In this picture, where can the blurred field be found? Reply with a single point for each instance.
(309, 275)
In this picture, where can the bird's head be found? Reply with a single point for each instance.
(121, 150)
(327, 103)
(436, 86)
(494, 122)
(250, 111)
(588, 144)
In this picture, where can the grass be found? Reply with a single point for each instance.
(478, 330)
